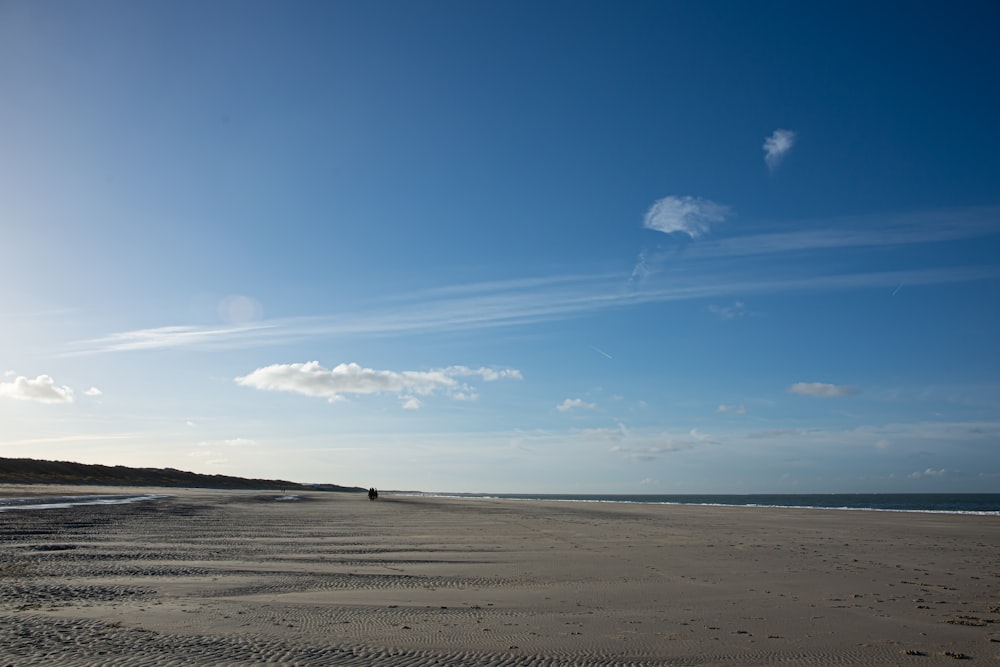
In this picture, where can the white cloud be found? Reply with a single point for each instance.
(822, 389)
(690, 215)
(734, 409)
(929, 472)
(777, 146)
(41, 390)
(311, 379)
(488, 374)
(571, 403)
(160, 338)
(93, 391)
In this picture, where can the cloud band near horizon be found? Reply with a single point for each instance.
(312, 379)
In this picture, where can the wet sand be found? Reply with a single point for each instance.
(243, 578)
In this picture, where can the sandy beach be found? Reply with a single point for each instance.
(243, 578)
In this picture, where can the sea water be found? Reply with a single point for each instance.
(954, 503)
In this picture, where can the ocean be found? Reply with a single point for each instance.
(951, 503)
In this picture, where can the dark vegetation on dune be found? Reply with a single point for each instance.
(32, 471)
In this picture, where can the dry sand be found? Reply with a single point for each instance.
(242, 578)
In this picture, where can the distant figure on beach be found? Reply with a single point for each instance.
(373, 493)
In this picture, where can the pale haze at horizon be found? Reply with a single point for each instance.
(505, 247)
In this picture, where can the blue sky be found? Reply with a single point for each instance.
(505, 246)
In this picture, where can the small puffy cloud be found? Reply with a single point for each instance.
(93, 391)
(929, 472)
(572, 403)
(776, 147)
(42, 389)
(693, 216)
(734, 409)
(312, 379)
(822, 389)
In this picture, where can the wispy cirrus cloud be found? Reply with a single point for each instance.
(693, 216)
(822, 390)
(735, 311)
(652, 446)
(709, 269)
(42, 389)
(334, 384)
(777, 146)
(641, 444)
(518, 307)
(159, 338)
(858, 232)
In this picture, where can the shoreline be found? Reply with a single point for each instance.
(991, 500)
(208, 577)
(623, 499)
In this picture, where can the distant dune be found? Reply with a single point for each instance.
(31, 471)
